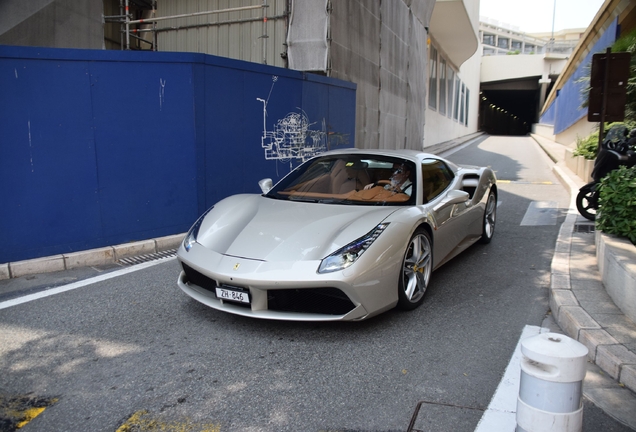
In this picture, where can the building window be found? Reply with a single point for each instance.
(489, 39)
(462, 117)
(516, 45)
(467, 100)
(432, 79)
(442, 85)
(450, 79)
(457, 91)
(529, 49)
(503, 43)
(489, 51)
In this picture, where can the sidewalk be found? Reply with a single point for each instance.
(584, 311)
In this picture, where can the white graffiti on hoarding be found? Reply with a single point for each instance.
(291, 137)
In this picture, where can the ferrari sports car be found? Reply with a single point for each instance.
(345, 236)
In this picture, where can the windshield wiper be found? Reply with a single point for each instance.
(335, 201)
(309, 200)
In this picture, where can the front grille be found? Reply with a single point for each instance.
(199, 279)
(328, 301)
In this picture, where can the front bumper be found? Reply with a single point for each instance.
(291, 291)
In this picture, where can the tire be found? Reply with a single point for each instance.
(415, 274)
(586, 201)
(490, 218)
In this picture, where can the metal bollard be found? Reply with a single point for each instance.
(552, 370)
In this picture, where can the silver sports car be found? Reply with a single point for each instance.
(345, 236)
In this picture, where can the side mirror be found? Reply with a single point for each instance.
(266, 185)
(453, 197)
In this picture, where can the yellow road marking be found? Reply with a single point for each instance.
(525, 182)
(29, 415)
(17, 411)
(142, 421)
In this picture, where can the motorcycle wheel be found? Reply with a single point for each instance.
(586, 202)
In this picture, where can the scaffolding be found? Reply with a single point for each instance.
(135, 29)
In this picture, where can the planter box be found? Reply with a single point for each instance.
(616, 258)
(588, 166)
(579, 165)
(570, 160)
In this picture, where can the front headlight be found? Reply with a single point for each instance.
(192, 235)
(346, 256)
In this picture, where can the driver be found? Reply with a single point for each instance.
(399, 181)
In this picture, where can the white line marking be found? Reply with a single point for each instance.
(501, 414)
(540, 213)
(449, 152)
(79, 284)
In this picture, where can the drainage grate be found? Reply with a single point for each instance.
(148, 257)
(584, 228)
(414, 426)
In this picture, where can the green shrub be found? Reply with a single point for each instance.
(617, 198)
(587, 147)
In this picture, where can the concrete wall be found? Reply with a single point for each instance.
(508, 67)
(52, 23)
(616, 258)
(107, 147)
(544, 130)
(382, 47)
(580, 129)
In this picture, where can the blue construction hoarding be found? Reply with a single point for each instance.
(567, 108)
(105, 147)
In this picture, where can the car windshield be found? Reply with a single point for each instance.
(356, 179)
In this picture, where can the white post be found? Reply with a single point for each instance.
(127, 25)
(552, 371)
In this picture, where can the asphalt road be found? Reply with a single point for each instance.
(135, 351)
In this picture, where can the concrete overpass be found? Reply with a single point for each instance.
(513, 89)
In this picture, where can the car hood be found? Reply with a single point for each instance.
(260, 228)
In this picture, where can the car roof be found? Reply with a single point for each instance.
(413, 155)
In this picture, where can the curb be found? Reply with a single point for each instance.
(91, 257)
(608, 353)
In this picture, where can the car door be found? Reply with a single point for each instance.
(448, 207)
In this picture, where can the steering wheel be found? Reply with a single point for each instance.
(383, 183)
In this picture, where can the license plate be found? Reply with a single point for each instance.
(225, 293)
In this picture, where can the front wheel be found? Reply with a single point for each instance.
(587, 201)
(415, 274)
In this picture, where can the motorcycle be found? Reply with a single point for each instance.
(617, 149)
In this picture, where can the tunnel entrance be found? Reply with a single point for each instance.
(508, 112)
